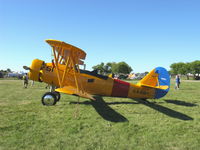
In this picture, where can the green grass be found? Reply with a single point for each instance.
(170, 123)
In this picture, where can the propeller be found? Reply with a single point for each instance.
(26, 68)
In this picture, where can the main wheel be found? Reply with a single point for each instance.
(49, 99)
(57, 94)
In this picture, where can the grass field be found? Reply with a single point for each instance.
(170, 123)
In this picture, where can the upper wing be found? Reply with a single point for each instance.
(62, 51)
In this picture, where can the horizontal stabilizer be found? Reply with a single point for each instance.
(163, 87)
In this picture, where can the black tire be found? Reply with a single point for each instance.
(57, 94)
(49, 99)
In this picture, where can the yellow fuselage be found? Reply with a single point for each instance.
(90, 82)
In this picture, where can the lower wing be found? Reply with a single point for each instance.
(73, 91)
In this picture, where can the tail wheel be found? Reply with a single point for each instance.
(57, 94)
(49, 99)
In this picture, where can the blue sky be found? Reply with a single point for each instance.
(143, 33)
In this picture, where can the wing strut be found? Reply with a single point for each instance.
(67, 59)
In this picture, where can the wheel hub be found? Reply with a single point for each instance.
(48, 100)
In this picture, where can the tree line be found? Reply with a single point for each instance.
(113, 67)
(4, 72)
(186, 69)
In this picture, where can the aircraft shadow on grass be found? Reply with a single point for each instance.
(182, 103)
(107, 113)
(103, 109)
(167, 111)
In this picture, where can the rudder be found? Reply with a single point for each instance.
(159, 79)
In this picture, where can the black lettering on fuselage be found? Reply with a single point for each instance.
(49, 69)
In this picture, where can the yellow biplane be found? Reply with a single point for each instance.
(64, 74)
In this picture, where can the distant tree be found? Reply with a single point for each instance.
(178, 68)
(1, 75)
(8, 70)
(195, 68)
(113, 67)
(174, 68)
(108, 68)
(121, 67)
(100, 68)
(4, 72)
(186, 68)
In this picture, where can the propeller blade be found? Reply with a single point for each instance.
(26, 68)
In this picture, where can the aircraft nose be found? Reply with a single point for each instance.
(35, 68)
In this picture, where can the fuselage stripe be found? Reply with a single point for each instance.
(120, 88)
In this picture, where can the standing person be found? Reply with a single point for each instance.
(177, 80)
(25, 78)
(32, 83)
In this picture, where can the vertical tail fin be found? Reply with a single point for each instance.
(159, 79)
